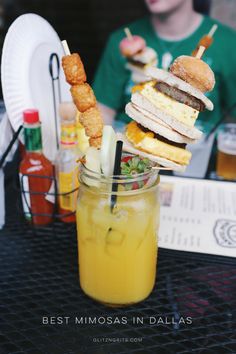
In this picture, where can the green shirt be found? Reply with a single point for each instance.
(112, 84)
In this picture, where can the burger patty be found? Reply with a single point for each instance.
(161, 138)
(180, 96)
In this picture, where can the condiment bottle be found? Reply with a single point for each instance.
(66, 165)
(36, 173)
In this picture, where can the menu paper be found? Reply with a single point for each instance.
(198, 216)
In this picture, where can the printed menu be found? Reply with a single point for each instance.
(198, 215)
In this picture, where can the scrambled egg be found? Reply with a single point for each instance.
(147, 142)
(152, 63)
(180, 111)
(141, 85)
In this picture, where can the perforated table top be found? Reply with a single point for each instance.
(191, 310)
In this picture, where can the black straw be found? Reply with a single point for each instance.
(14, 138)
(116, 172)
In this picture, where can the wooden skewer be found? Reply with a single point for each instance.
(161, 168)
(128, 33)
(65, 47)
(212, 30)
(200, 52)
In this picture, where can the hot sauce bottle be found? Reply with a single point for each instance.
(36, 173)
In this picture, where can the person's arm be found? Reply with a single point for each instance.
(110, 79)
(107, 113)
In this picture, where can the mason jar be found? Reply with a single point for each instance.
(117, 223)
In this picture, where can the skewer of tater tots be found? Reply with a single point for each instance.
(83, 97)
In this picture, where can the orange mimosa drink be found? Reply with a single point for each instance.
(118, 247)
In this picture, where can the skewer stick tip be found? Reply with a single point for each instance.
(65, 47)
(200, 52)
(212, 30)
(128, 33)
(162, 168)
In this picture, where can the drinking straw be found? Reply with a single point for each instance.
(14, 138)
(116, 172)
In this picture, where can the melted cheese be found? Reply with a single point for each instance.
(180, 111)
(147, 142)
(140, 86)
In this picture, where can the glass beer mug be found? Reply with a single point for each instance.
(226, 154)
(117, 236)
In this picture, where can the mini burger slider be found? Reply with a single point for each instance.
(165, 110)
(138, 56)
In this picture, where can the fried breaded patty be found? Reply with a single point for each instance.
(92, 121)
(83, 96)
(74, 69)
(95, 142)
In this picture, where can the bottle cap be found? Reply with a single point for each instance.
(67, 111)
(31, 116)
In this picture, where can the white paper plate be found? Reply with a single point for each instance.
(26, 81)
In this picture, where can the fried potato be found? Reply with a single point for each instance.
(73, 69)
(83, 96)
(95, 142)
(92, 122)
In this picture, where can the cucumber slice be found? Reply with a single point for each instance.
(92, 163)
(108, 150)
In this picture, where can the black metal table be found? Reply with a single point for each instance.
(39, 279)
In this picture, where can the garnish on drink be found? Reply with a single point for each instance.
(139, 56)
(83, 97)
(132, 166)
(164, 111)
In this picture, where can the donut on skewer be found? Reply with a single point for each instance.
(131, 46)
(139, 56)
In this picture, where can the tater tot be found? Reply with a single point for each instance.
(92, 122)
(83, 96)
(95, 142)
(73, 69)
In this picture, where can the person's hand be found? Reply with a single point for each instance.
(108, 114)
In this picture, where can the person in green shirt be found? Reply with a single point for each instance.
(173, 28)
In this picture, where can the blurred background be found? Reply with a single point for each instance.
(86, 24)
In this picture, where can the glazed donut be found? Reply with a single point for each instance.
(131, 46)
(194, 71)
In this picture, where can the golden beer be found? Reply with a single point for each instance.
(226, 155)
(226, 165)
